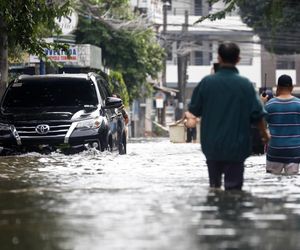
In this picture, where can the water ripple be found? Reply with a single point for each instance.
(155, 197)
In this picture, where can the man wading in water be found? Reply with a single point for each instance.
(283, 151)
(227, 104)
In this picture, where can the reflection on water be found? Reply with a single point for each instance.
(243, 221)
(156, 197)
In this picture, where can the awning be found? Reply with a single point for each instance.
(167, 90)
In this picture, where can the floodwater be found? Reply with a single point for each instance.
(155, 197)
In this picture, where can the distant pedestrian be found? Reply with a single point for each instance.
(283, 150)
(191, 134)
(122, 110)
(227, 104)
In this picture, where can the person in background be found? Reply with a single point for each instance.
(227, 104)
(191, 134)
(283, 150)
(122, 110)
(124, 114)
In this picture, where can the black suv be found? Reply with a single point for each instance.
(67, 112)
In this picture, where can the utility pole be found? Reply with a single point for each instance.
(161, 112)
(182, 61)
(164, 33)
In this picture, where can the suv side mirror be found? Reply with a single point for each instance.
(112, 102)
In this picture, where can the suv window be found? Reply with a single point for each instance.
(50, 92)
(104, 92)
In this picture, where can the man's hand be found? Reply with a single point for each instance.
(188, 114)
(190, 121)
(263, 98)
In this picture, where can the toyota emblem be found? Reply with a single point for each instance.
(42, 129)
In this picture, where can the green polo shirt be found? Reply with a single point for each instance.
(227, 104)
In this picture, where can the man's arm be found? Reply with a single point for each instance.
(195, 106)
(264, 132)
(264, 99)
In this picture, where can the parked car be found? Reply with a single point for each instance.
(67, 112)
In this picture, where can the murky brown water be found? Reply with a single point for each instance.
(156, 197)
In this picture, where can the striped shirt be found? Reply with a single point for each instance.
(284, 124)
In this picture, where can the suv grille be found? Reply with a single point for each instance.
(56, 130)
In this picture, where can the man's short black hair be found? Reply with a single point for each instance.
(229, 52)
(285, 81)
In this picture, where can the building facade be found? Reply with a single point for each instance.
(198, 42)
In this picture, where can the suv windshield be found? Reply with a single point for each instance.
(50, 92)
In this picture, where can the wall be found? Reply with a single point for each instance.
(196, 73)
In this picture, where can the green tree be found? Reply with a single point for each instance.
(277, 22)
(22, 25)
(118, 86)
(131, 50)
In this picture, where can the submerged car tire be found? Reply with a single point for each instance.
(103, 144)
(106, 144)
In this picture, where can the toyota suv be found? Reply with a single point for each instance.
(64, 112)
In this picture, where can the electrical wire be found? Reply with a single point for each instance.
(281, 39)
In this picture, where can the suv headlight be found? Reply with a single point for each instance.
(5, 127)
(90, 123)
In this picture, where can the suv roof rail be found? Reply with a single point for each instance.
(67, 75)
(22, 76)
(91, 74)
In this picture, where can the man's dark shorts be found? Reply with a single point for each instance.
(233, 174)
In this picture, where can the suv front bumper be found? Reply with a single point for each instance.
(11, 140)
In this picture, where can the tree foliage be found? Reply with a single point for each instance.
(277, 22)
(110, 24)
(118, 86)
(134, 52)
(25, 22)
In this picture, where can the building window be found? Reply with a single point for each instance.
(198, 7)
(198, 58)
(168, 4)
(211, 52)
(209, 7)
(169, 54)
(285, 63)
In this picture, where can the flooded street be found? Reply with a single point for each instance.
(155, 197)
